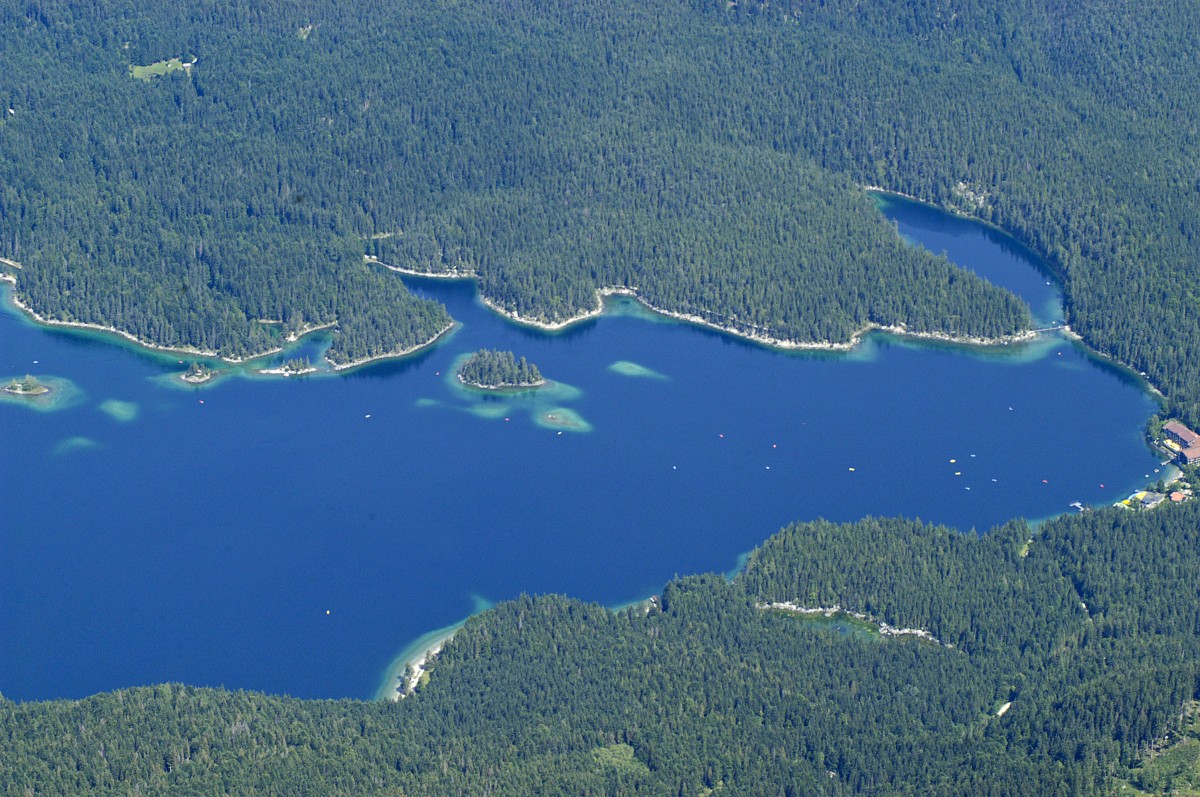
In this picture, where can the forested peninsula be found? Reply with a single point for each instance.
(556, 151)
(1055, 660)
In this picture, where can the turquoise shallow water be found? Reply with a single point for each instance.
(294, 536)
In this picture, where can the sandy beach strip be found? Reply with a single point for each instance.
(412, 272)
(403, 675)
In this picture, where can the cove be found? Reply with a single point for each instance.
(294, 535)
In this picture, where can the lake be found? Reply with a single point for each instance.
(293, 535)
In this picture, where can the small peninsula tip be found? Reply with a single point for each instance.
(296, 366)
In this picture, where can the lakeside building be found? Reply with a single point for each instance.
(1187, 442)
(1151, 499)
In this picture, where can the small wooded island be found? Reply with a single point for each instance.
(197, 373)
(499, 370)
(29, 386)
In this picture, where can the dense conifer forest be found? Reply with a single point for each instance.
(704, 153)
(1087, 629)
(709, 156)
(549, 150)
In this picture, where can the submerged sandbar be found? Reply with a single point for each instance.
(123, 411)
(628, 368)
(563, 419)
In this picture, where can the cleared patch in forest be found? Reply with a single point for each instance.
(160, 68)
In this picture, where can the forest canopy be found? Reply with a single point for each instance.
(707, 155)
(546, 150)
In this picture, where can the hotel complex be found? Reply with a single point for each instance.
(1183, 441)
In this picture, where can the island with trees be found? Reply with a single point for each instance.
(198, 373)
(42, 393)
(29, 386)
(297, 366)
(499, 370)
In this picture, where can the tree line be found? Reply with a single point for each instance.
(529, 147)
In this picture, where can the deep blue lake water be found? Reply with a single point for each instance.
(293, 536)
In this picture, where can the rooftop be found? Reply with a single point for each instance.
(1184, 434)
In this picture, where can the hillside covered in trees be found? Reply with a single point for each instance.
(704, 156)
(1086, 629)
(703, 153)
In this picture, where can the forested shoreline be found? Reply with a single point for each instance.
(1085, 628)
(554, 151)
(187, 208)
(711, 157)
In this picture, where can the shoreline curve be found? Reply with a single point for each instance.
(127, 337)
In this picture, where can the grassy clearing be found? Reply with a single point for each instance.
(620, 757)
(159, 68)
